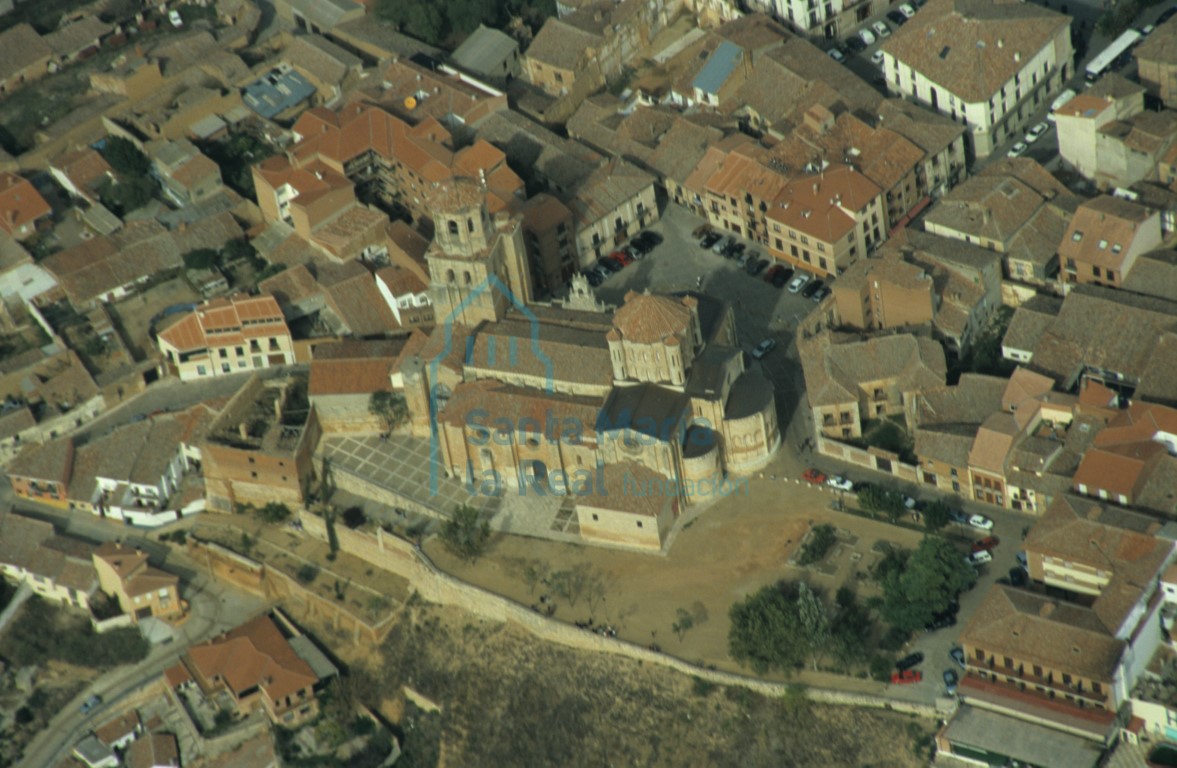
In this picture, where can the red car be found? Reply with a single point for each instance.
(622, 258)
(770, 274)
(906, 677)
(815, 476)
(987, 544)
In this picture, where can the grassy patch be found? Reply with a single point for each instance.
(889, 435)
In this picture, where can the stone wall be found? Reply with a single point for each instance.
(871, 458)
(403, 558)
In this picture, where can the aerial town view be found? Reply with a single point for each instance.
(496, 383)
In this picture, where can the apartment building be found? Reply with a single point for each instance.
(1110, 138)
(829, 19)
(57, 568)
(1156, 58)
(1123, 457)
(826, 220)
(227, 336)
(1070, 659)
(1105, 237)
(611, 205)
(988, 64)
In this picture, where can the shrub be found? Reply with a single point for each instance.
(880, 668)
(307, 573)
(821, 540)
(894, 639)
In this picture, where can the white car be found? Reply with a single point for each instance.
(877, 58)
(867, 36)
(836, 55)
(1036, 133)
(979, 558)
(882, 28)
(982, 522)
(1017, 150)
(1060, 102)
(907, 10)
(798, 283)
(1147, 30)
(763, 348)
(908, 502)
(840, 483)
(175, 18)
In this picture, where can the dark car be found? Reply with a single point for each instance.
(950, 681)
(756, 267)
(594, 278)
(651, 237)
(813, 287)
(709, 240)
(734, 250)
(610, 264)
(941, 621)
(91, 703)
(909, 661)
(772, 273)
(782, 278)
(641, 246)
(897, 18)
(821, 293)
(957, 655)
(1018, 576)
(855, 44)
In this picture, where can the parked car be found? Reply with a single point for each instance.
(950, 681)
(1018, 576)
(957, 655)
(856, 44)
(881, 29)
(979, 558)
(906, 678)
(798, 283)
(622, 258)
(640, 246)
(981, 522)
(1036, 133)
(840, 483)
(721, 246)
(176, 19)
(91, 703)
(907, 10)
(763, 348)
(1017, 150)
(709, 240)
(651, 236)
(987, 544)
(594, 278)
(877, 58)
(821, 294)
(743, 258)
(782, 278)
(758, 266)
(896, 18)
(867, 37)
(941, 621)
(812, 288)
(814, 475)
(909, 661)
(773, 272)
(1022, 559)
(1059, 102)
(701, 231)
(837, 55)
(957, 516)
(611, 265)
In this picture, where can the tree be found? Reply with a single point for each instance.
(533, 573)
(126, 195)
(821, 539)
(684, 621)
(125, 158)
(236, 250)
(307, 572)
(937, 515)
(390, 407)
(886, 501)
(201, 258)
(765, 631)
(464, 535)
(932, 578)
(813, 622)
(274, 512)
(354, 517)
(575, 582)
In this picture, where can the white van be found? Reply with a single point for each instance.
(1060, 102)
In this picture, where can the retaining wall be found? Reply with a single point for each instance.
(403, 558)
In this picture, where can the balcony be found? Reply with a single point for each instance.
(1029, 683)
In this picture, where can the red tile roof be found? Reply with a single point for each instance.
(226, 322)
(256, 654)
(20, 203)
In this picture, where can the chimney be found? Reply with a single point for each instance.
(278, 407)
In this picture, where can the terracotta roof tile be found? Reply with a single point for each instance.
(20, 203)
(646, 318)
(255, 654)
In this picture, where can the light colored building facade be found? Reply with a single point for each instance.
(1106, 236)
(989, 64)
(227, 336)
(142, 590)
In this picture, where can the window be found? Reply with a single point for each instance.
(1077, 236)
(596, 517)
(224, 367)
(223, 352)
(452, 226)
(1103, 244)
(1095, 271)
